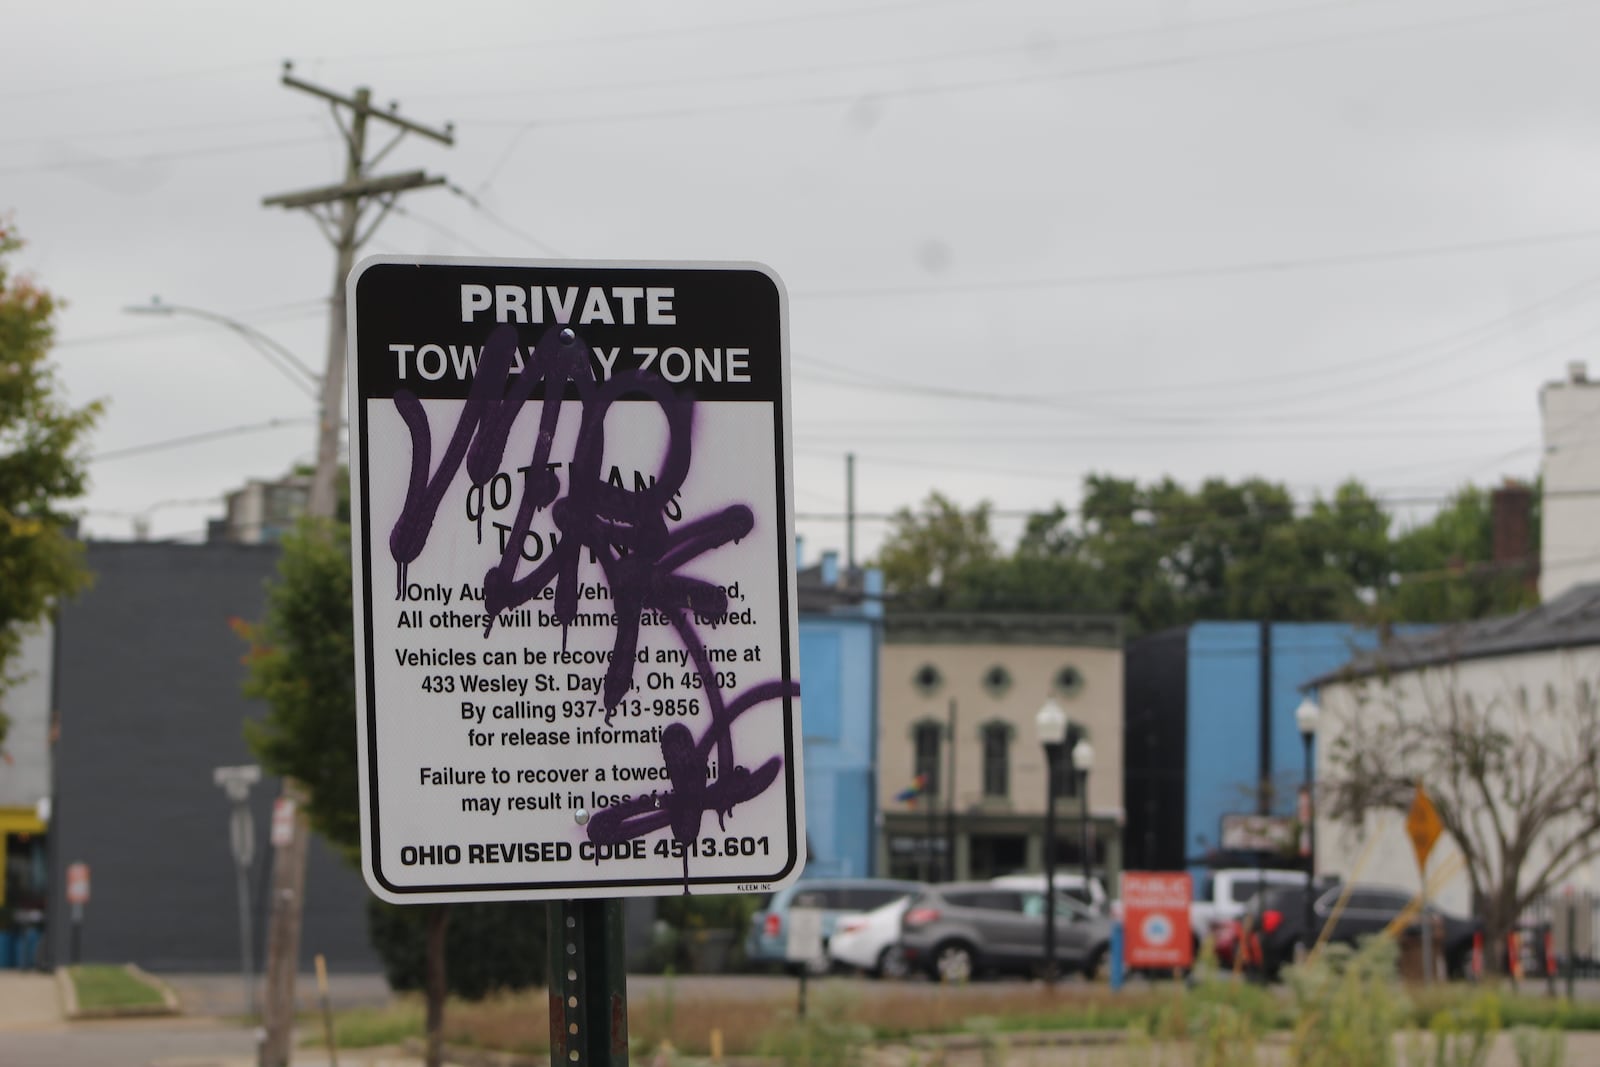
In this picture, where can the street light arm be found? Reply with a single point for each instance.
(271, 350)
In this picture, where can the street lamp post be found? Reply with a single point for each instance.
(1082, 760)
(236, 782)
(306, 380)
(1305, 717)
(1052, 726)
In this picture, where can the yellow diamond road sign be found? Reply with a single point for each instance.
(1424, 826)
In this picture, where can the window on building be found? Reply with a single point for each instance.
(925, 759)
(996, 760)
(996, 681)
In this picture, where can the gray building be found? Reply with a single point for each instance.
(146, 685)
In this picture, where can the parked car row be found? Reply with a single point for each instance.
(962, 930)
(768, 940)
(951, 932)
(1279, 933)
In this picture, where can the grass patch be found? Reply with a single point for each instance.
(1216, 1021)
(1515, 1009)
(367, 1027)
(106, 987)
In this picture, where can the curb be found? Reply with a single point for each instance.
(465, 1056)
(964, 1040)
(66, 993)
(71, 1010)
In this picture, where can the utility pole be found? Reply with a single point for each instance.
(849, 512)
(341, 207)
(338, 210)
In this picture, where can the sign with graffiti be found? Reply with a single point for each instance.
(571, 521)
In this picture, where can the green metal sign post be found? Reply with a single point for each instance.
(588, 984)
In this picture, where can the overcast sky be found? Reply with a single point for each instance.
(1023, 241)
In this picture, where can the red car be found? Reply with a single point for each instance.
(1225, 937)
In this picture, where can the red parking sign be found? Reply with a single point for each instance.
(77, 883)
(1155, 910)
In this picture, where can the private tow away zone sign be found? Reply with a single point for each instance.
(574, 589)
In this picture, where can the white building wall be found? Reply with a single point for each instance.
(1532, 692)
(25, 765)
(1570, 544)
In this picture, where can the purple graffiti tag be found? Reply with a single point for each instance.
(683, 808)
(626, 534)
(481, 434)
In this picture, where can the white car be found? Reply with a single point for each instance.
(870, 942)
(1068, 882)
(1222, 896)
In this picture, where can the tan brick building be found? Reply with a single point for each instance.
(958, 695)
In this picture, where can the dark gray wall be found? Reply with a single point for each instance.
(148, 690)
(1155, 745)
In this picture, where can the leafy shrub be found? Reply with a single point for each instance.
(488, 947)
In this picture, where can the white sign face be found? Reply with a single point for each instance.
(283, 811)
(574, 587)
(77, 883)
(805, 935)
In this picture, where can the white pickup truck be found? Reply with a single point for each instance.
(1222, 895)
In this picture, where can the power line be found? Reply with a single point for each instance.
(1187, 27)
(197, 438)
(274, 313)
(124, 132)
(856, 378)
(1584, 290)
(477, 205)
(160, 157)
(949, 88)
(1218, 270)
(655, 35)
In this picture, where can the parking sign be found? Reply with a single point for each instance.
(574, 590)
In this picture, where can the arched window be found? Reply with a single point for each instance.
(996, 759)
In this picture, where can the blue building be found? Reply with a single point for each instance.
(1211, 739)
(841, 626)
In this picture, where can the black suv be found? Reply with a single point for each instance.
(1279, 934)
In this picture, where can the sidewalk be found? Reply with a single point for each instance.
(28, 999)
(223, 995)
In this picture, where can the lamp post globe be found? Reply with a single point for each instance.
(1082, 761)
(1305, 717)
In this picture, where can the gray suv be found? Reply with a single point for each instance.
(957, 931)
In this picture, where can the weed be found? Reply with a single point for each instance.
(1539, 1048)
(1349, 1007)
(826, 1037)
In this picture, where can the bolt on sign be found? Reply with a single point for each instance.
(572, 520)
(1423, 826)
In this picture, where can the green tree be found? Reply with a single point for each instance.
(42, 465)
(301, 663)
(1445, 570)
(1159, 555)
(926, 548)
(1168, 555)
